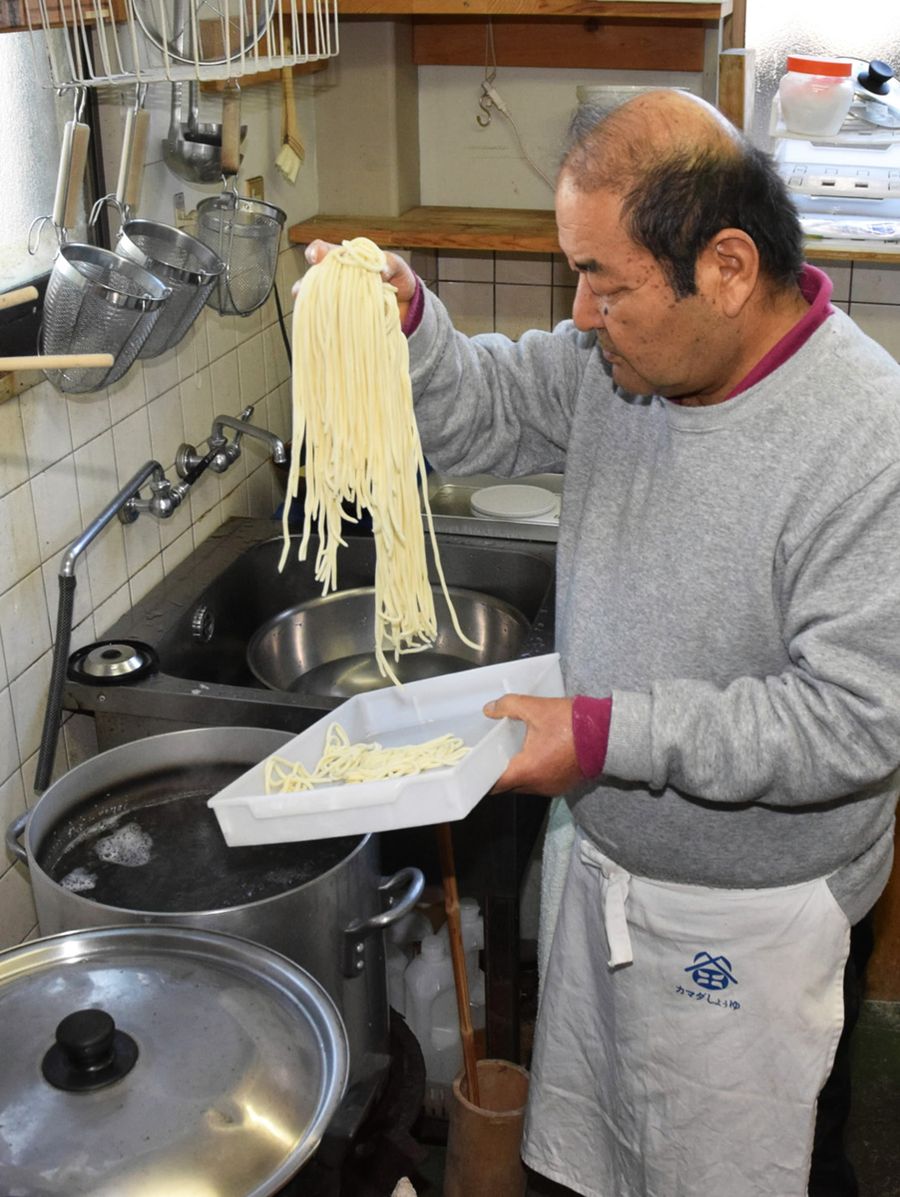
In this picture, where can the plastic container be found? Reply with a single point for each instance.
(396, 962)
(428, 976)
(400, 942)
(397, 715)
(815, 95)
(472, 931)
(433, 1017)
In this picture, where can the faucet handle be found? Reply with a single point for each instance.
(186, 459)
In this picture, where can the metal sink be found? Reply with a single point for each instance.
(203, 617)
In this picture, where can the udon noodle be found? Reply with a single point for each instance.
(353, 411)
(343, 761)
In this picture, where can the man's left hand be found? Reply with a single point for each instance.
(547, 764)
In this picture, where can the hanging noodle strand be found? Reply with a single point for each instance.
(353, 409)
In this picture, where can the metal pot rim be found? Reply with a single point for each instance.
(88, 767)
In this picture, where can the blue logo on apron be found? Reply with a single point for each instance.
(711, 972)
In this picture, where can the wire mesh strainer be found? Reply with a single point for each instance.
(98, 302)
(187, 266)
(245, 234)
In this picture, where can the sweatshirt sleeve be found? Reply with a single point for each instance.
(827, 726)
(487, 404)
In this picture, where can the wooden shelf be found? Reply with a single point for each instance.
(523, 230)
(656, 11)
(852, 251)
(510, 230)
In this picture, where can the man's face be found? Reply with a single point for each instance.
(653, 341)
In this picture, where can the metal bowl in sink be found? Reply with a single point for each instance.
(325, 645)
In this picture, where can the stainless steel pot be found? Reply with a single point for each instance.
(184, 1061)
(330, 924)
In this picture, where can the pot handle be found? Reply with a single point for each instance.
(14, 833)
(357, 932)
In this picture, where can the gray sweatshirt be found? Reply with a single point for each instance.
(730, 574)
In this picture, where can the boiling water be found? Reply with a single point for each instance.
(162, 850)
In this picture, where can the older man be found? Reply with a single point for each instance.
(727, 618)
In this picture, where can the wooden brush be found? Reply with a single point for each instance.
(291, 155)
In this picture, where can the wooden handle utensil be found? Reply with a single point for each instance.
(58, 361)
(12, 299)
(458, 956)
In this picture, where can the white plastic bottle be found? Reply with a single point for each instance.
(399, 949)
(396, 962)
(472, 930)
(427, 976)
(815, 95)
(431, 1007)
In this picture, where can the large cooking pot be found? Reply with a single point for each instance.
(126, 837)
(161, 1060)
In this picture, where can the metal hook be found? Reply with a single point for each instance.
(36, 228)
(113, 201)
(79, 103)
(490, 74)
(485, 103)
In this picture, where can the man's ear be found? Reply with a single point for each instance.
(729, 267)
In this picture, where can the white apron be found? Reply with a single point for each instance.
(683, 1035)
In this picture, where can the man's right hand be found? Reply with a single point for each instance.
(397, 272)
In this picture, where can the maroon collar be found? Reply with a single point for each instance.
(816, 287)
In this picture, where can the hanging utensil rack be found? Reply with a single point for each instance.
(95, 43)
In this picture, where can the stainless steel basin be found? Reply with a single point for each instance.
(325, 646)
(202, 617)
(251, 592)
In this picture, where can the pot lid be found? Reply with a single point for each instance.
(224, 1067)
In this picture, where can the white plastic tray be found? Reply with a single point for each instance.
(394, 716)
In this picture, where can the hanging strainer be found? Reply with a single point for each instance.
(245, 233)
(98, 302)
(188, 267)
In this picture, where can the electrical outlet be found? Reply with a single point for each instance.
(256, 188)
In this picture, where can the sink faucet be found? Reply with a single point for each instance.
(229, 451)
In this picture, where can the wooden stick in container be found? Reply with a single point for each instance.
(458, 956)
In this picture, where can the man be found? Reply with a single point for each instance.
(727, 619)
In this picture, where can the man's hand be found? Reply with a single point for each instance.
(547, 764)
(397, 272)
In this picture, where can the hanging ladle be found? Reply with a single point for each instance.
(192, 149)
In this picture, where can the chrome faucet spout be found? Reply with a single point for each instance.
(240, 426)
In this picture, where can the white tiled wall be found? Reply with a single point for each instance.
(509, 293)
(62, 459)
